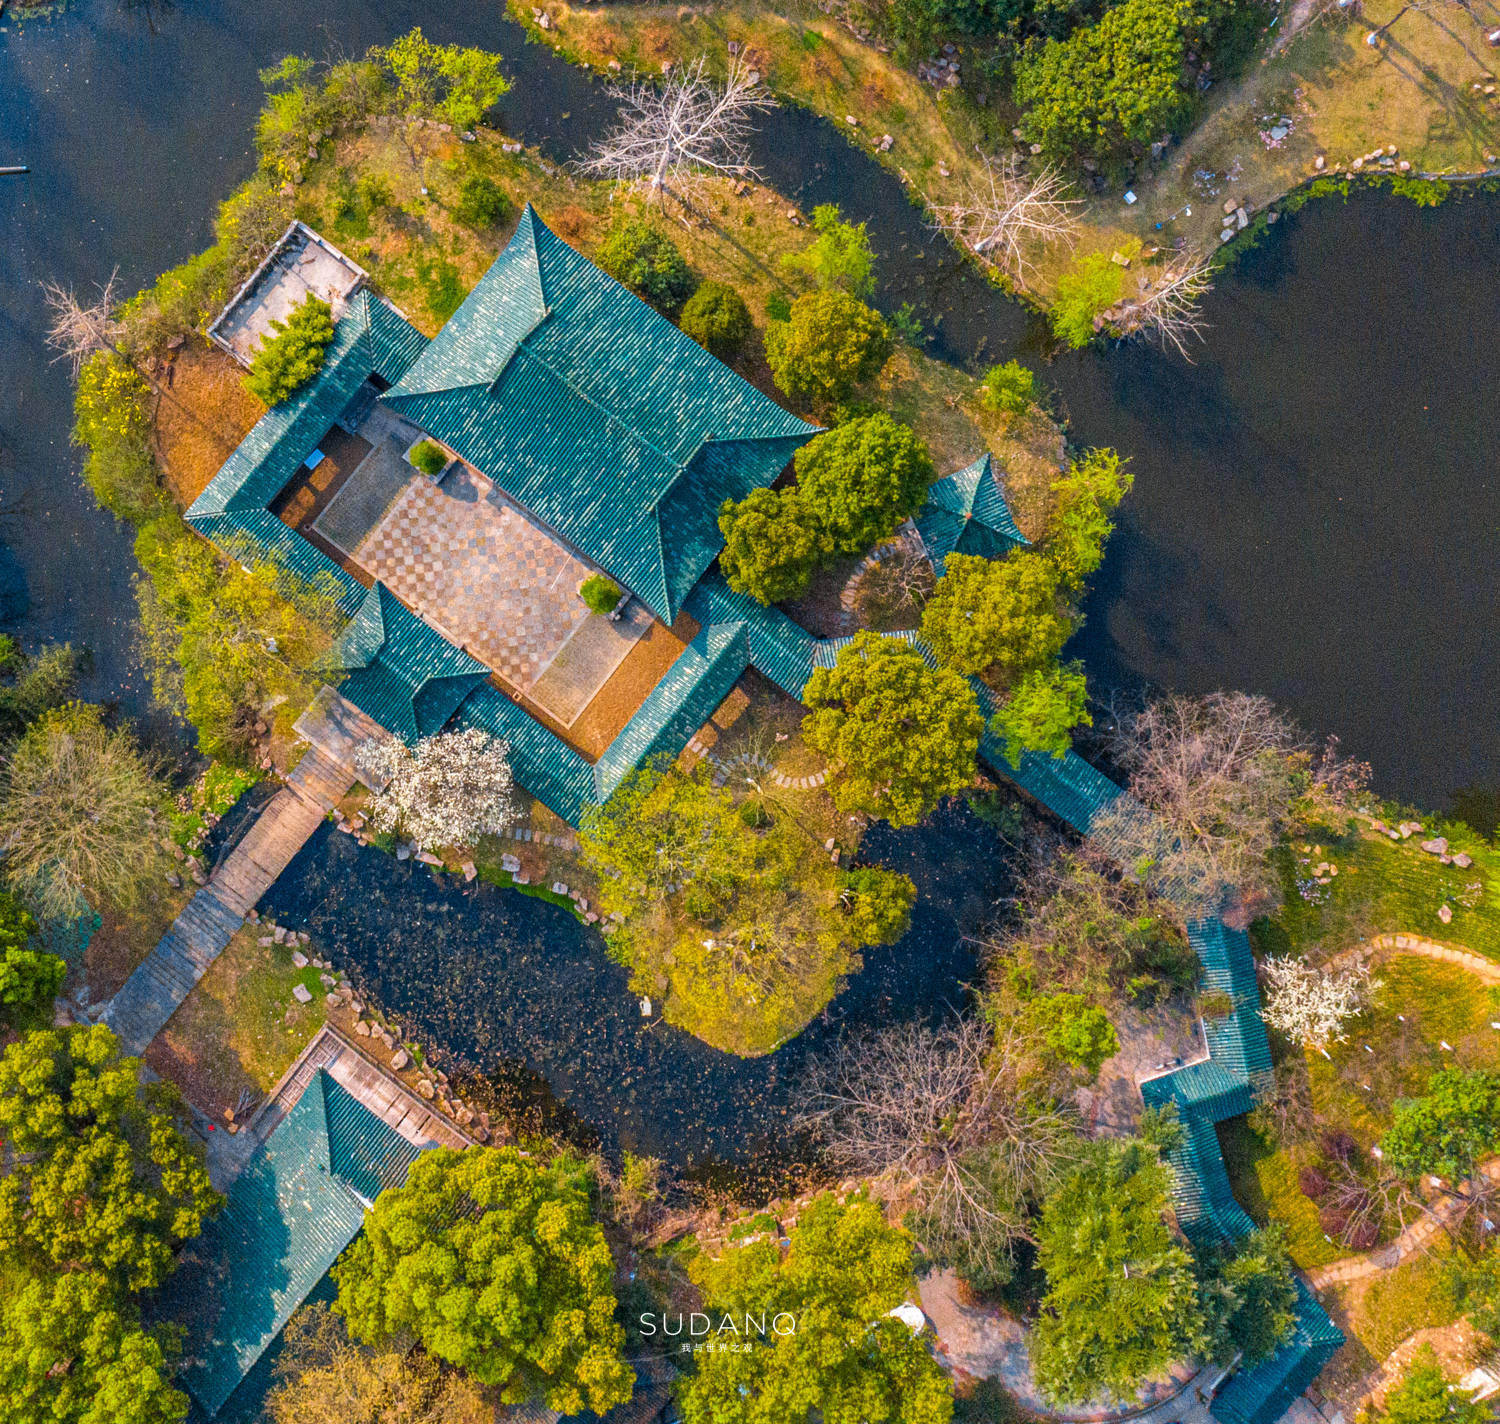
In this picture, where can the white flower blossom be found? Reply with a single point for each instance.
(451, 790)
(1311, 1005)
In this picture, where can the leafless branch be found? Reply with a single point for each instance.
(1010, 211)
(77, 329)
(682, 129)
(1169, 309)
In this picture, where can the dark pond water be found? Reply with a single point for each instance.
(493, 975)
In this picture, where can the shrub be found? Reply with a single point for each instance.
(600, 592)
(429, 457)
(482, 202)
(1081, 521)
(288, 360)
(1313, 1183)
(862, 479)
(717, 318)
(829, 343)
(645, 260)
(772, 544)
(1008, 388)
(879, 904)
(1092, 286)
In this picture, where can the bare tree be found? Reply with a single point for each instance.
(675, 132)
(891, 592)
(940, 1115)
(1010, 211)
(1366, 1204)
(77, 329)
(1169, 309)
(1217, 776)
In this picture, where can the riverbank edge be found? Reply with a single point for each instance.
(1259, 217)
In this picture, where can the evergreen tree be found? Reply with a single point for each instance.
(860, 480)
(1004, 616)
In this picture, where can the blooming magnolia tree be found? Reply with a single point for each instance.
(1312, 1005)
(449, 791)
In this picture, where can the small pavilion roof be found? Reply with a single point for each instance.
(597, 415)
(400, 670)
(966, 513)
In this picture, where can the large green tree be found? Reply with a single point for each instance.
(1450, 1129)
(831, 1351)
(860, 480)
(840, 258)
(1039, 716)
(1122, 1303)
(907, 734)
(1249, 1295)
(455, 83)
(72, 1351)
(828, 345)
(78, 813)
(772, 544)
(1109, 85)
(101, 1178)
(1086, 498)
(1000, 616)
(491, 1260)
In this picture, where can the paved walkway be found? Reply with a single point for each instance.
(146, 1000)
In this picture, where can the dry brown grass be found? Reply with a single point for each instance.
(190, 450)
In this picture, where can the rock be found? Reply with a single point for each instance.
(428, 858)
(301, 993)
(1230, 204)
(469, 870)
(426, 1089)
(399, 1059)
(1390, 150)
(332, 1000)
(464, 1116)
(509, 863)
(199, 878)
(279, 935)
(362, 1029)
(591, 917)
(1120, 260)
(298, 958)
(403, 852)
(1241, 218)
(1227, 235)
(851, 121)
(174, 880)
(355, 1007)
(1404, 166)
(558, 888)
(480, 1134)
(328, 980)
(944, 171)
(544, 23)
(1436, 846)
(1445, 913)
(1463, 860)
(1320, 162)
(886, 143)
(387, 1038)
(614, 64)
(1357, 165)
(645, 1008)
(1035, 150)
(521, 879)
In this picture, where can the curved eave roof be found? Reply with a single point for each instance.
(966, 513)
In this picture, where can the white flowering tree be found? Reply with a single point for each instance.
(450, 790)
(1310, 1005)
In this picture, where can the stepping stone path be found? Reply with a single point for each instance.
(724, 769)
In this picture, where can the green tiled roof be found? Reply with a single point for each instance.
(597, 415)
(371, 338)
(966, 513)
(294, 1208)
(401, 671)
(543, 764)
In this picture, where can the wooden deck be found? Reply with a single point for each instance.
(200, 933)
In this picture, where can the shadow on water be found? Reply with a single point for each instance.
(505, 982)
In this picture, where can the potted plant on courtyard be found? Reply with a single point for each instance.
(601, 593)
(429, 457)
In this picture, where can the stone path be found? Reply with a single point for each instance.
(201, 932)
(723, 770)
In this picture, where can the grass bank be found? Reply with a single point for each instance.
(1315, 90)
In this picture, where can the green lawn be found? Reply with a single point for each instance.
(1265, 1184)
(1379, 1314)
(1382, 887)
(1421, 1005)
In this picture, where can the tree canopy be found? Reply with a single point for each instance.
(861, 479)
(1122, 1303)
(455, 83)
(1074, 1031)
(838, 1356)
(1004, 616)
(524, 1275)
(772, 544)
(643, 258)
(1249, 1294)
(716, 317)
(102, 1179)
(1109, 85)
(829, 344)
(1450, 1129)
(907, 734)
(1039, 716)
(1081, 521)
(840, 258)
(878, 903)
(72, 1351)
